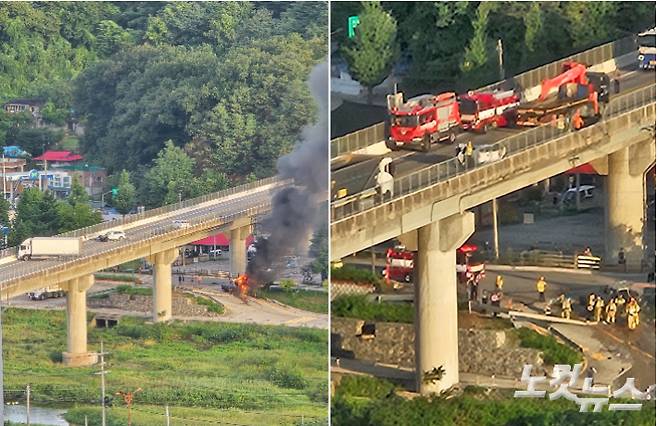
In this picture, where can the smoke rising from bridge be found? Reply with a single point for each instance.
(299, 209)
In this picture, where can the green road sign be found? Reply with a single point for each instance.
(352, 22)
(115, 192)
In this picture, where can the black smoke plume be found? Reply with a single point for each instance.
(298, 209)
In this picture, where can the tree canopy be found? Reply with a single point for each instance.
(374, 50)
(451, 45)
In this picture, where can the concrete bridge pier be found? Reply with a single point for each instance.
(162, 283)
(436, 301)
(625, 212)
(76, 322)
(238, 252)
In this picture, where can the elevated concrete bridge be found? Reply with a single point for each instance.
(152, 235)
(428, 211)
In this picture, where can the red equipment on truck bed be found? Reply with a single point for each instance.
(423, 120)
(480, 111)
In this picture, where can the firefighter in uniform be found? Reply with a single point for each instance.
(469, 154)
(541, 288)
(598, 308)
(620, 301)
(633, 312)
(566, 307)
(591, 300)
(611, 312)
(499, 282)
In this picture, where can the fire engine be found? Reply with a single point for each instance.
(400, 264)
(423, 120)
(480, 111)
(577, 102)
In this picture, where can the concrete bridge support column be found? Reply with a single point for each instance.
(76, 354)
(625, 212)
(436, 301)
(238, 250)
(162, 284)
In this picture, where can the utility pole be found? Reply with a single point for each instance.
(2, 378)
(4, 178)
(494, 208)
(128, 399)
(27, 405)
(501, 70)
(102, 373)
(167, 415)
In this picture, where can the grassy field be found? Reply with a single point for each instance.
(361, 400)
(359, 306)
(209, 371)
(70, 143)
(313, 301)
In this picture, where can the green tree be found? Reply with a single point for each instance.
(590, 22)
(170, 175)
(78, 193)
(75, 215)
(111, 38)
(375, 49)
(476, 54)
(36, 215)
(124, 201)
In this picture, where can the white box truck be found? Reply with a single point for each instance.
(45, 247)
(46, 293)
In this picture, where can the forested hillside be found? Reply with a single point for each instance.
(224, 82)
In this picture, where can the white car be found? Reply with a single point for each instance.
(215, 253)
(181, 224)
(113, 236)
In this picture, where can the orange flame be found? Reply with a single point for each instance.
(242, 282)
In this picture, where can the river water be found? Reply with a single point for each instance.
(38, 415)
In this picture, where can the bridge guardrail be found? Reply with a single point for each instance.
(444, 170)
(596, 55)
(26, 269)
(155, 212)
(357, 140)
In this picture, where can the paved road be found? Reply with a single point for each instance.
(256, 311)
(360, 176)
(232, 205)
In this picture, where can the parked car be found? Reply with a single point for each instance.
(112, 236)
(586, 193)
(228, 287)
(215, 253)
(181, 224)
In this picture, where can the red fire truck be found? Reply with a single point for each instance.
(400, 264)
(423, 120)
(481, 111)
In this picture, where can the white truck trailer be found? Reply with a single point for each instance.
(45, 247)
(46, 293)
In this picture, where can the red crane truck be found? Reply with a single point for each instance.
(423, 120)
(576, 103)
